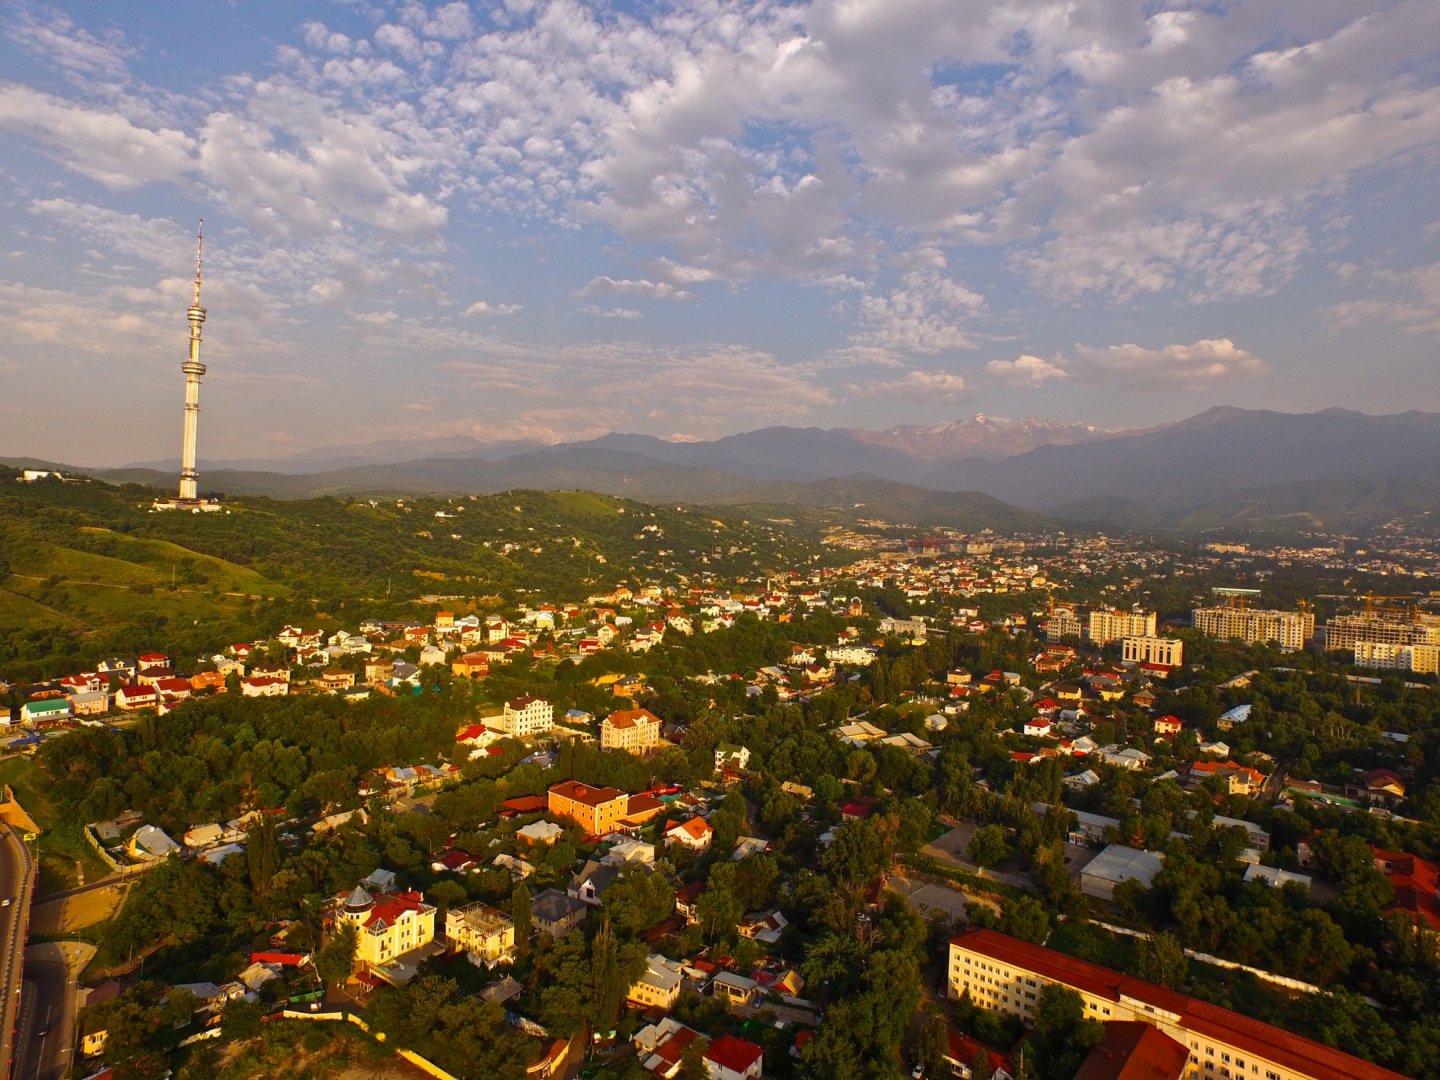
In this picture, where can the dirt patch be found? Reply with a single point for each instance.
(69, 914)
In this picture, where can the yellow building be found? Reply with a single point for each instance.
(387, 926)
(1111, 625)
(484, 933)
(659, 986)
(635, 730)
(596, 810)
(1288, 629)
(1007, 975)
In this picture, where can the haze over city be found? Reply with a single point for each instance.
(552, 220)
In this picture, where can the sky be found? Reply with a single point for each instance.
(546, 219)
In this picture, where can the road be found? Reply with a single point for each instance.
(45, 1040)
(17, 884)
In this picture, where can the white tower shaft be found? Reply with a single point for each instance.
(193, 369)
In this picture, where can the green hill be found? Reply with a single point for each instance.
(88, 570)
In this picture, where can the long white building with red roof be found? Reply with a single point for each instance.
(1007, 975)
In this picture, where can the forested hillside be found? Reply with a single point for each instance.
(88, 570)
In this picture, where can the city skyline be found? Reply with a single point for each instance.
(551, 220)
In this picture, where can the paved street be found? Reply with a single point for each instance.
(46, 1037)
(17, 882)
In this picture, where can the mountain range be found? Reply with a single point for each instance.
(1227, 467)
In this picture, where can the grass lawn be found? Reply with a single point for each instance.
(63, 850)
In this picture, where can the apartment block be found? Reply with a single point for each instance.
(526, 716)
(596, 810)
(1107, 625)
(1007, 975)
(1288, 629)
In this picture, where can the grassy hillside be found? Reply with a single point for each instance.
(88, 570)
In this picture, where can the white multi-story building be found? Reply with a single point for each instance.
(1288, 629)
(1007, 975)
(526, 716)
(1107, 625)
(1421, 659)
(1347, 631)
(1153, 650)
(1062, 624)
(635, 730)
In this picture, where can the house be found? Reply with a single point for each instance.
(733, 989)
(540, 832)
(731, 756)
(661, 1046)
(596, 810)
(1117, 864)
(453, 861)
(44, 713)
(659, 984)
(729, 1058)
(391, 930)
(151, 842)
(635, 730)
(336, 679)
(589, 885)
(527, 716)
(1270, 875)
(911, 743)
(555, 913)
(687, 899)
(260, 686)
(695, 834)
(963, 1053)
(134, 697)
(1037, 728)
(1238, 779)
(764, 927)
(1417, 887)
(1168, 725)
(485, 934)
(1380, 786)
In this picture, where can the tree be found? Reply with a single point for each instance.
(1063, 1034)
(931, 1045)
(1024, 917)
(336, 958)
(520, 916)
(1162, 960)
(990, 846)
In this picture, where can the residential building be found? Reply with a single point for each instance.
(1238, 779)
(484, 933)
(659, 985)
(729, 1058)
(1062, 623)
(1288, 629)
(48, 711)
(1106, 624)
(1381, 628)
(1167, 652)
(635, 730)
(388, 926)
(1007, 975)
(695, 834)
(555, 913)
(527, 716)
(731, 756)
(1417, 887)
(1421, 659)
(596, 810)
(1116, 864)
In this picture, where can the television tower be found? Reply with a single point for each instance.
(193, 369)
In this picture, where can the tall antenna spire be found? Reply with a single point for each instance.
(193, 369)
(199, 250)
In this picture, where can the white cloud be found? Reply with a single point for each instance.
(485, 309)
(102, 145)
(1026, 370)
(652, 290)
(611, 313)
(1204, 362)
(924, 386)
(1412, 303)
(928, 312)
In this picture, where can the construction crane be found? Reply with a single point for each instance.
(1405, 608)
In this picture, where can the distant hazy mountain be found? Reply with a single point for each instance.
(979, 436)
(1336, 469)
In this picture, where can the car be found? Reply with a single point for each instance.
(6, 902)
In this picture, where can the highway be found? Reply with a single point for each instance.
(17, 885)
(46, 1036)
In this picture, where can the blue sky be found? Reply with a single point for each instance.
(533, 219)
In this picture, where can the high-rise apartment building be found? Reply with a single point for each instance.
(1106, 624)
(1288, 629)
